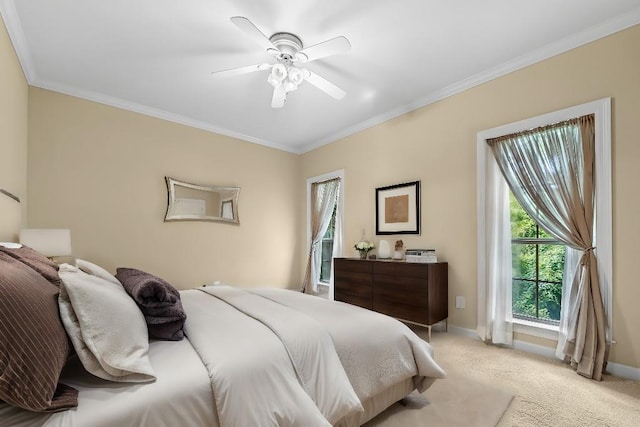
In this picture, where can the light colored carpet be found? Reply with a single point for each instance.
(458, 400)
(452, 402)
(548, 393)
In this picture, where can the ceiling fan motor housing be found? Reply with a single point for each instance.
(288, 45)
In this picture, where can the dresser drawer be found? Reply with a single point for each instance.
(359, 300)
(403, 269)
(345, 265)
(406, 290)
(410, 312)
(353, 282)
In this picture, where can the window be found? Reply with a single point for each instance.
(327, 250)
(499, 296)
(538, 268)
(331, 242)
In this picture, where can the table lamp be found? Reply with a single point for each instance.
(50, 242)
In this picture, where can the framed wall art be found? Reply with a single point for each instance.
(398, 209)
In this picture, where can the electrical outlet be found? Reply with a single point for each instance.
(460, 302)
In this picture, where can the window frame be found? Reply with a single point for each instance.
(604, 230)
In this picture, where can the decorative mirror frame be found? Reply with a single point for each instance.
(227, 211)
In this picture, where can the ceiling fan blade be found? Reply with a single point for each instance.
(252, 31)
(279, 97)
(321, 50)
(324, 84)
(241, 70)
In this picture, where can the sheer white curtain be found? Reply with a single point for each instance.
(337, 241)
(324, 196)
(569, 293)
(495, 321)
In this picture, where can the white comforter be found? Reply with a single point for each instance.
(263, 371)
(285, 359)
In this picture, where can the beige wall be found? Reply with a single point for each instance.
(437, 145)
(100, 171)
(13, 138)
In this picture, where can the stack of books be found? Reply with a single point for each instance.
(421, 255)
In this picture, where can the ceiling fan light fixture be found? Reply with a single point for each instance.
(277, 75)
(288, 50)
(273, 81)
(289, 85)
(295, 75)
(279, 72)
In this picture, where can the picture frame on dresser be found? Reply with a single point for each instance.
(398, 209)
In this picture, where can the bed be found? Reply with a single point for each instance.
(263, 356)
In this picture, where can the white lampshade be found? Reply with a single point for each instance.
(295, 75)
(277, 75)
(274, 81)
(289, 85)
(50, 242)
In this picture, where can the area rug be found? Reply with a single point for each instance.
(454, 401)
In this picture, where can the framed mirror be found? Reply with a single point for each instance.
(193, 202)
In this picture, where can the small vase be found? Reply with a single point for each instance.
(384, 250)
(363, 254)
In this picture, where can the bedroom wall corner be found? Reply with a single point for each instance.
(13, 139)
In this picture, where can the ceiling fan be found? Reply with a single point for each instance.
(288, 52)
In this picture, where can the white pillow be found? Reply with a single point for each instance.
(105, 326)
(96, 270)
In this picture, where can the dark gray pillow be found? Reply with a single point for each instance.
(158, 300)
(33, 343)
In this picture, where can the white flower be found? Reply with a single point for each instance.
(364, 246)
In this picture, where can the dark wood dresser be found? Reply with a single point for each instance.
(414, 292)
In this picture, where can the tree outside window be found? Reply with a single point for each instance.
(538, 269)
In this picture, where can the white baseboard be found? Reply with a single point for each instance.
(540, 350)
(623, 371)
(469, 333)
(617, 369)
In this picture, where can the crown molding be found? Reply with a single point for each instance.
(16, 34)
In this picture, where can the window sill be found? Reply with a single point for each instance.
(540, 330)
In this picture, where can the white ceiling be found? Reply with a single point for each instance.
(156, 56)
